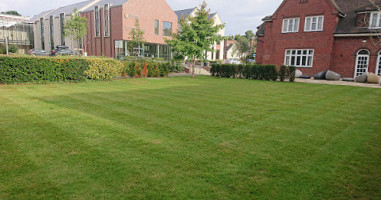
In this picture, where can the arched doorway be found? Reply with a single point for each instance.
(362, 62)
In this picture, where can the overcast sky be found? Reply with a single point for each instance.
(239, 15)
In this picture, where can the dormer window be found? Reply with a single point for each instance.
(375, 20)
(290, 25)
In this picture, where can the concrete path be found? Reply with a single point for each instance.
(337, 83)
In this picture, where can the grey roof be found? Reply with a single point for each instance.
(112, 3)
(185, 13)
(347, 22)
(69, 8)
(37, 17)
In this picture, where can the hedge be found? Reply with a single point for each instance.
(23, 69)
(253, 71)
(149, 68)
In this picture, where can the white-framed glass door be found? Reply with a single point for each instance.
(362, 62)
(378, 67)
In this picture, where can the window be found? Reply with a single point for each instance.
(290, 25)
(314, 23)
(299, 57)
(106, 18)
(375, 20)
(167, 28)
(62, 24)
(42, 33)
(97, 22)
(378, 68)
(156, 27)
(362, 62)
(51, 27)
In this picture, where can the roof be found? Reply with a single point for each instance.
(348, 10)
(185, 13)
(87, 5)
(347, 24)
(113, 3)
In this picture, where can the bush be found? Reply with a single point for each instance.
(104, 69)
(11, 49)
(23, 69)
(291, 73)
(282, 73)
(251, 71)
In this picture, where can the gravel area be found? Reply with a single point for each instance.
(337, 83)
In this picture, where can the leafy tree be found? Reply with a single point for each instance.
(249, 34)
(76, 27)
(242, 46)
(137, 36)
(196, 35)
(11, 12)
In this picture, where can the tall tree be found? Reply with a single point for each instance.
(137, 36)
(11, 12)
(76, 27)
(196, 35)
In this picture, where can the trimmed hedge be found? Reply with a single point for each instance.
(134, 68)
(253, 71)
(24, 69)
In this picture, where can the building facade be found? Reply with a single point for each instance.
(319, 35)
(109, 25)
(17, 30)
(218, 47)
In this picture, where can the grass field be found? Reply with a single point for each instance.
(178, 138)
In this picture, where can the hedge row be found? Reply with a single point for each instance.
(253, 71)
(149, 68)
(23, 69)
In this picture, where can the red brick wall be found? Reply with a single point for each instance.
(271, 47)
(120, 27)
(148, 11)
(345, 52)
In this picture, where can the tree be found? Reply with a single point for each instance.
(196, 35)
(11, 12)
(137, 36)
(242, 46)
(76, 27)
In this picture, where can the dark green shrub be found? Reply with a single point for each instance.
(282, 73)
(291, 73)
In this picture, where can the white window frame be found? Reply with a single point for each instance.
(97, 34)
(319, 23)
(358, 56)
(378, 69)
(378, 20)
(308, 54)
(106, 26)
(294, 27)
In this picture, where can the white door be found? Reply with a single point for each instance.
(362, 62)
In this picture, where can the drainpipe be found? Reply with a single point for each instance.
(6, 45)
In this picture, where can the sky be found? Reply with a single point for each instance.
(238, 15)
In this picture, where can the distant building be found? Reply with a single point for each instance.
(17, 30)
(109, 26)
(218, 54)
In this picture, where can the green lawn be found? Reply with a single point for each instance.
(178, 138)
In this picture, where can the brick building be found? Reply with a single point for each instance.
(109, 25)
(318, 35)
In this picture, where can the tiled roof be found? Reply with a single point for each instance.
(347, 24)
(349, 12)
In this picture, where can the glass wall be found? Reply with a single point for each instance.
(18, 34)
(124, 48)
